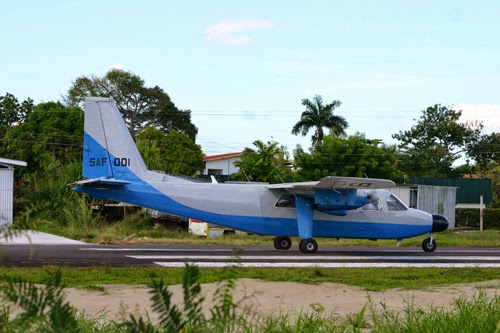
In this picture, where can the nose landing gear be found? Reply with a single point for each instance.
(429, 244)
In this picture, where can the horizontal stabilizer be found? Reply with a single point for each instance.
(338, 183)
(104, 181)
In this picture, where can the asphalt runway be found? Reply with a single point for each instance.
(78, 255)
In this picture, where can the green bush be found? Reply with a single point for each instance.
(469, 217)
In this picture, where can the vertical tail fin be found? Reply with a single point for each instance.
(108, 148)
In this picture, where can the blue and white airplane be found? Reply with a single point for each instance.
(338, 207)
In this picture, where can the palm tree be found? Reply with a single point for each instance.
(266, 163)
(318, 115)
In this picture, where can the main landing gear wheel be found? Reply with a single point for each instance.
(282, 243)
(429, 245)
(308, 245)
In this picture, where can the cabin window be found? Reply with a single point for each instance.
(375, 203)
(286, 200)
(394, 204)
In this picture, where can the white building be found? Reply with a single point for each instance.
(7, 190)
(221, 164)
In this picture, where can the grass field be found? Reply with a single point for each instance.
(374, 279)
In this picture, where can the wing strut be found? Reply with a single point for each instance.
(304, 207)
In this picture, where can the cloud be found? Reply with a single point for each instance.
(488, 114)
(226, 32)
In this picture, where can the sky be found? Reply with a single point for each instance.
(243, 67)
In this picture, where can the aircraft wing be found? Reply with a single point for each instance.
(330, 195)
(336, 183)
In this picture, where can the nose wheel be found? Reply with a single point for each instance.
(429, 244)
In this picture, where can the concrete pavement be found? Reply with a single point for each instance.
(37, 238)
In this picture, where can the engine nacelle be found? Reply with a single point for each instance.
(337, 202)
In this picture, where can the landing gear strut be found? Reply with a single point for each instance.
(282, 243)
(429, 244)
(308, 245)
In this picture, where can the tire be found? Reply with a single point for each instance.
(429, 245)
(282, 243)
(308, 245)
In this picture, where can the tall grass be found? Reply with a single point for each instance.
(477, 314)
(79, 217)
(45, 310)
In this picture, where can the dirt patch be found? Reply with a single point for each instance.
(265, 298)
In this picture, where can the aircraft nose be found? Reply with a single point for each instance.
(439, 223)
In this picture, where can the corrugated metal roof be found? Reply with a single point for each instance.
(8, 161)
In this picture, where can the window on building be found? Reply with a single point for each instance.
(214, 172)
(413, 198)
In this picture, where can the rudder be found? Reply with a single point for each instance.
(108, 148)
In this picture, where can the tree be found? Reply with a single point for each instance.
(266, 163)
(438, 139)
(12, 113)
(174, 153)
(317, 115)
(51, 132)
(486, 150)
(140, 106)
(354, 156)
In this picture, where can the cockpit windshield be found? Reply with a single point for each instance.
(394, 204)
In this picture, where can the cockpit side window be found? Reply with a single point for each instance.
(394, 204)
(286, 200)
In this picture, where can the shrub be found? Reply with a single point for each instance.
(469, 217)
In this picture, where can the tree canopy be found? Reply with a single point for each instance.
(173, 153)
(12, 112)
(318, 115)
(354, 156)
(51, 131)
(486, 150)
(140, 106)
(438, 139)
(267, 162)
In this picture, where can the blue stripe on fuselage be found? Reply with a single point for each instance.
(143, 194)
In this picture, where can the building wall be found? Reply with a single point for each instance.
(438, 200)
(431, 199)
(469, 190)
(6, 196)
(226, 165)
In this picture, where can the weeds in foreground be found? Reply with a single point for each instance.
(41, 309)
(29, 308)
